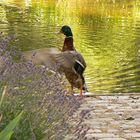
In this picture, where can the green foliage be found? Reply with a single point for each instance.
(8, 131)
(2, 93)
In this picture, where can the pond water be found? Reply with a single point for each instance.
(106, 32)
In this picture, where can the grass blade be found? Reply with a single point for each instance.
(8, 131)
(2, 95)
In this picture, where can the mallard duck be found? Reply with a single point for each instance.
(70, 62)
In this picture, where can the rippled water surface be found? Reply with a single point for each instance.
(106, 32)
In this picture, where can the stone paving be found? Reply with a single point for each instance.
(107, 117)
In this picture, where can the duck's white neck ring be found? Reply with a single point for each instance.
(69, 36)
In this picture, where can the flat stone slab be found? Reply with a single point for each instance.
(106, 117)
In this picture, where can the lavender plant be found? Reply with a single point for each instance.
(39, 92)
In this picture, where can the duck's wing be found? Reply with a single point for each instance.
(52, 56)
(81, 59)
(41, 56)
(67, 59)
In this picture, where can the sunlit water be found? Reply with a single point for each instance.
(106, 32)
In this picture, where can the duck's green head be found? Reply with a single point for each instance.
(66, 30)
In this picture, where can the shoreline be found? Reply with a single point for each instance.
(107, 117)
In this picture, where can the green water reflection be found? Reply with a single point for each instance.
(106, 32)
